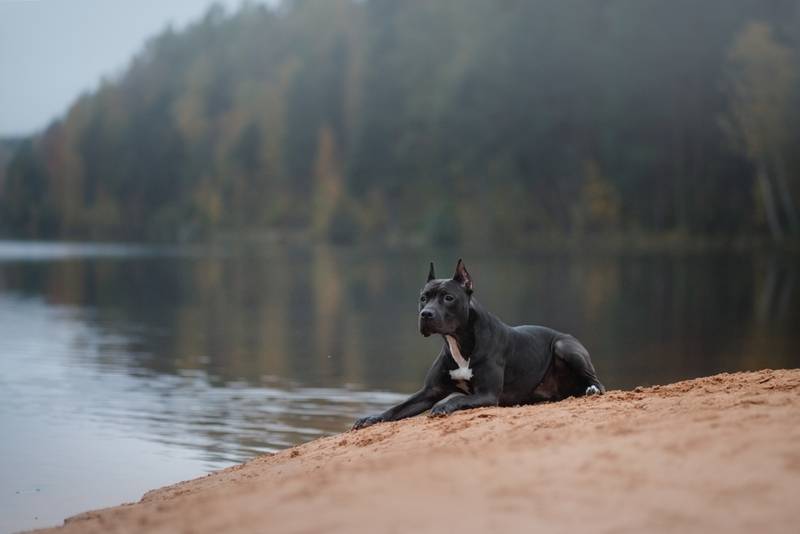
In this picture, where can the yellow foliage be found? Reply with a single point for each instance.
(763, 86)
(599, 199)
(328, 182)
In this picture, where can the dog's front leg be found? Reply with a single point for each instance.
(464, 402)
(414, 405)
(487, 385)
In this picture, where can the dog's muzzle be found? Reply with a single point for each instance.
(427, 323)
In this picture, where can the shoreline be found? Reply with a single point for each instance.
(623, 243)
(720, 452)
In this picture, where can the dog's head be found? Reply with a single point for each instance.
(444, 302)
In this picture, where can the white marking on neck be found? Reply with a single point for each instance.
(463, 372)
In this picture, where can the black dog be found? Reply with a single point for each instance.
(488, 362)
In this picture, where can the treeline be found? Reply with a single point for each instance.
(447, 120)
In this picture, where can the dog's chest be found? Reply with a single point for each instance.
(463, 374)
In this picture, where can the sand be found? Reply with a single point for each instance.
(715, 454)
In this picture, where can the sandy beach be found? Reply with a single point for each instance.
(720, 453)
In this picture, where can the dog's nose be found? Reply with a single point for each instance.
(426, 314)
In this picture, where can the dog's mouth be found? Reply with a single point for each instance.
(426, 328)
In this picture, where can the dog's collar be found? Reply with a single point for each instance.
(463, 372)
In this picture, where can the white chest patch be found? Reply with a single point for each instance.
(463, 372)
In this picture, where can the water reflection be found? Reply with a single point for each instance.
(59, 366)
(212, 357)
(320, 317)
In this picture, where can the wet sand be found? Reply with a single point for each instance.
(720, 453)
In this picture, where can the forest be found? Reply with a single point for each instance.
(446, 121)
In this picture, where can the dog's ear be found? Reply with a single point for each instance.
(431, 274)
(462, 276)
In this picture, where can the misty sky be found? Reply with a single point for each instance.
(53, 50)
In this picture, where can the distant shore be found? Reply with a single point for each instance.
(542, 243)
(715, 454)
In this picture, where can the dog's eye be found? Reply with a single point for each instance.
(449, 298)
(423, 298)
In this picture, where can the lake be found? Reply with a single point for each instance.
(124, 368)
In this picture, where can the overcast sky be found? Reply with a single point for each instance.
(53, 50)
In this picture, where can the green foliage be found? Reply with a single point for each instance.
(442, 226)
(448, 119)
(343, 227)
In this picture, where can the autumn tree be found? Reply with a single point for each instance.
(763, 80)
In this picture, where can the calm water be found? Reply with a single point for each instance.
(126, 368)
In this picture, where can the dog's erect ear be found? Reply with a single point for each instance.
(462, 276)
(431, 274)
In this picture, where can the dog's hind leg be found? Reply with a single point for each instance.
(570, 351)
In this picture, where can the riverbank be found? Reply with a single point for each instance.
(711, 454)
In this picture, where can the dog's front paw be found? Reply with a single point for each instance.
(440, 410)
(367, 421)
